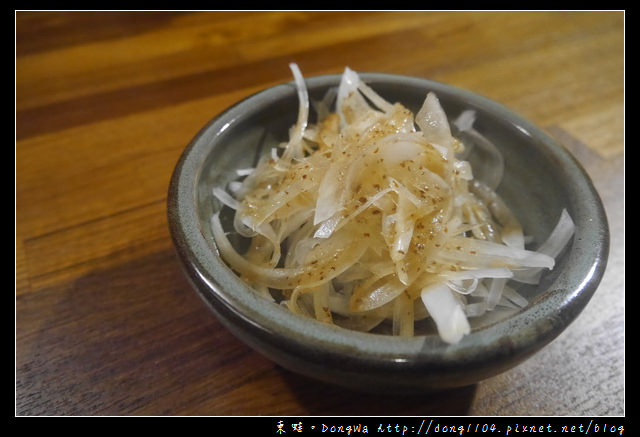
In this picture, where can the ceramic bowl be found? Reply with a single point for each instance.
(541, 178)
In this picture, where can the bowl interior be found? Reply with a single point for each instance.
(541, 178)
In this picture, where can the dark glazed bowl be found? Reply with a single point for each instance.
(541, 178)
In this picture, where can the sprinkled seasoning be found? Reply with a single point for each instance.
(369, 217)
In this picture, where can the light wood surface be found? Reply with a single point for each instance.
(106, 323)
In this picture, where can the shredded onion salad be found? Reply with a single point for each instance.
(370, 215)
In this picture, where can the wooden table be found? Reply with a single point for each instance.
(106, 323)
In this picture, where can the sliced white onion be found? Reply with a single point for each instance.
(434, 123)
(465, 120)
(490, 168)
(372, 215)
(245, 171)
(446, 312)
(559, 237)
(496, 288)
(384, 292)
(556, 242)
(294, 148)
(279, 278)
(225, 198)
(514, 297)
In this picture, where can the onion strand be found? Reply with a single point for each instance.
(373, 214)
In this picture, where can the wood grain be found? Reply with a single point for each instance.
(106, 323)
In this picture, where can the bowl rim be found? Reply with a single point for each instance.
(521, 334)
